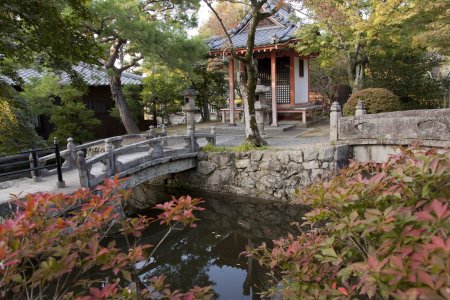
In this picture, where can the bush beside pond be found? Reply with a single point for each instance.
(379, 231)
(62, 247)
(376, 100)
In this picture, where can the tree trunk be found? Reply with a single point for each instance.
(251, 129)
(121, 104)
(205, 108)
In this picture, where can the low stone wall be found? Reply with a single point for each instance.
(271, 174)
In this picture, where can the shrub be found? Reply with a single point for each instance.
(59, 247)
(16, 126)
(376, 101)
(384, 234)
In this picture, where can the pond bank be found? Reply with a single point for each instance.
(270, 174)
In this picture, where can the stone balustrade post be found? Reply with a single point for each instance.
(164, 133)
(108, 165)
(360, 109)
(194, 145)
(212, 139)
(157, 150)
(163, 130)
(117, 142)
(335, 114)
(151, 132)
(82, 170)
(70, 159)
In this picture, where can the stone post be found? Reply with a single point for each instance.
(157, 150)
(189, 108)
(151, 132)
(259, 114)
(212, 139)
(70, 159)
(260, 106)
(335, 114)
(360, 109)
(108, 166)
(164, 133)
(82, 170)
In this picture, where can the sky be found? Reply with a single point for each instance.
(203, 14)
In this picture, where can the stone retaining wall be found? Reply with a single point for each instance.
(270, 174)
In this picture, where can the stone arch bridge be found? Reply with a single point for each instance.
(137, 157)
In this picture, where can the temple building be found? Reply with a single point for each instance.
(279, 66)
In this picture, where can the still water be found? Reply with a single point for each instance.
(209, 255)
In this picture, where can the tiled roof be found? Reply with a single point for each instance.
(91, 74)
(264, 35)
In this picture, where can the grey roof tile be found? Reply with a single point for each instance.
(92, 75)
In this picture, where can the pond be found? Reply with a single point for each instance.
(210, 254)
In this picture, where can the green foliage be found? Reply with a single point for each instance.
(63, 103)
(209, 80)
(410, 74)
(376, 101)
(162, 88)
(133, 96)
(16, 125)
(74, 120)
(50, 29)
(64, 247)
(359, 32)
(377, 230)
(326, 74)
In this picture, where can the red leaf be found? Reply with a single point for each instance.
(343, 290)
(425, 278)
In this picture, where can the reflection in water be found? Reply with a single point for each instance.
(210, 253)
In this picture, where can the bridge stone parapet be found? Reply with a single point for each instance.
(375, 136)
(162, 155)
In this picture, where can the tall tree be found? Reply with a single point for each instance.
(251, 64)
(161, 93)
(131, 30)
(358, 29)
(209, 80)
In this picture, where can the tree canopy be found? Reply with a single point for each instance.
(132, 30)
(49, 30)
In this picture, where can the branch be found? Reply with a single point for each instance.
(209, 4)
(114, 52)
(132, 63)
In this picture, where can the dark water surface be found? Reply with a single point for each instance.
(210, 253)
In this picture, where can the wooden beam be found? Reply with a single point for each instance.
(292, 77)
(231, 83)
(273, 71)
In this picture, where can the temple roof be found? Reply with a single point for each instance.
(92, 75)
(277, 29)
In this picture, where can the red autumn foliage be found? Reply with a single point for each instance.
(60, 247)
(378, 231)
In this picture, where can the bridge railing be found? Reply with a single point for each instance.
(431, 127)
(94, 148)
(135, 154)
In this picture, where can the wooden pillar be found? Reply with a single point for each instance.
(309, 71)
(292, 77)
(273, 70)
(242, 70)
(231, 79)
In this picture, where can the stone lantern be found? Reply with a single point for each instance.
(261, 107)
(189, 108)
